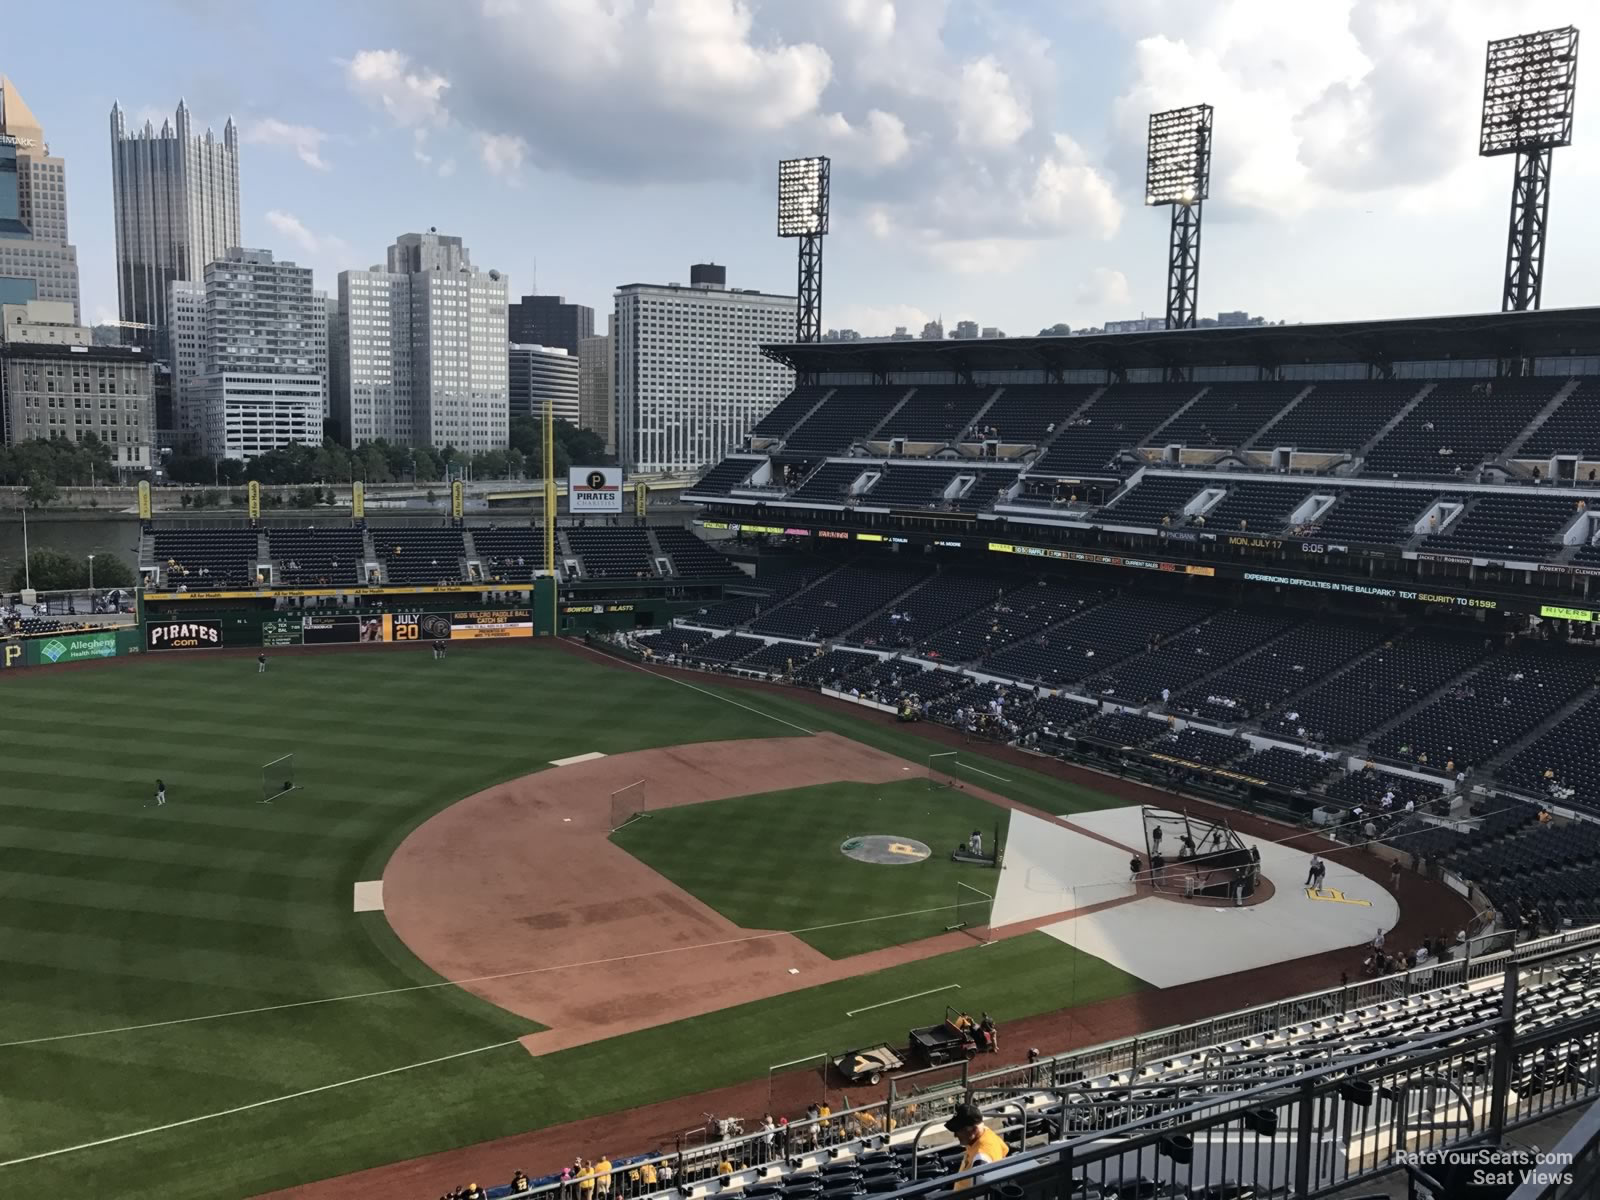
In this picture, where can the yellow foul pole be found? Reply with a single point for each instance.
(550, 482)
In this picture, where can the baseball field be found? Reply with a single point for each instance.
(190, 1006)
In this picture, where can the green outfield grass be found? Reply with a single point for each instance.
(114, 915)
(773, 860)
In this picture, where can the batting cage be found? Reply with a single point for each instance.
(629, 803)
(939, 765)
(1195, 856)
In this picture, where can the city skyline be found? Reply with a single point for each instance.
(1013, 199)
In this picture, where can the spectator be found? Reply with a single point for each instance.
(519, 1183)
(602, 1178)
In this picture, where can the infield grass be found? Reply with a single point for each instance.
(136, 921)
(774, 860)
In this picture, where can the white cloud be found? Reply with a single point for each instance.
(1067, 195)
(385, 78)
(1103, 289)
(879, 141)
(305, 140)
(502, 153)
(991, 114)
(979, 256)
(290, 227)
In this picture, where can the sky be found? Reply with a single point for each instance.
(988, 155)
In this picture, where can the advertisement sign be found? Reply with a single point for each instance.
(10, 653)
(594, 490)
(458, 499)
(76, 647)
(281, 631)
(358, 500)
(144, 500)
(340, 629)
(253, 491)
(510, 623)
(1566, 614)
(183, 635)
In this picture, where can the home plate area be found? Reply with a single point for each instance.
(1078, 863)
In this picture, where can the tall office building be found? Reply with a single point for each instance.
(259, 379)
(420, 349)
(549, 321)
(535, 372)
(55, 383)
(185, 350)
(176, 199)
(690, 376)
(37, 262)
(597, 388)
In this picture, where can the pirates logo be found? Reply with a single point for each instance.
(597, 479)
(435, 625)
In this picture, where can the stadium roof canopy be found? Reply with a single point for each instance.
(1500, 335)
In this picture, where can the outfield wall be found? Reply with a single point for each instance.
(58, 649)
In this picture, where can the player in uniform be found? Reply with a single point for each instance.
(161, 793)
(261, 663)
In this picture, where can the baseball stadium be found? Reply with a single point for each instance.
(1155, 765)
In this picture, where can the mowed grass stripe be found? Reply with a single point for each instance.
(427, 734)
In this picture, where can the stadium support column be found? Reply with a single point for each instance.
(808, 317)
(1530, 84)
(1183, 266)
(1530, 214)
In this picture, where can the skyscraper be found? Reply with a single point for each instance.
(597, 388)
(176, 198)
(260, 378)
(540, 371)
(690, 376)
(420, 349)
(549, 321)
(36, 260)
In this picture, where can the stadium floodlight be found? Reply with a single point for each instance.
(803, 185)
(1178, 174)
(1530, 85)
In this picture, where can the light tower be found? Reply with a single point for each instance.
(1529, 84)
(803, 214)
(1178, 174)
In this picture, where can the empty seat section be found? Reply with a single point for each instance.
(986, 488)
(1506, 526)
(945, 599)
(1087, 644)
(611, 552)
(847, 416)
(1257, 507)
(830, 668)
(1287, 768)
(1340, 416)
(318, 557)
(1026, 414)
(725, 476)
(1149, 500)
(726, 649)
(1120, 418)
(1494, 706)
(1175, 664)
(1574, 428)
(206, 558)
(936, 414)
(1458, 425)
(830, 483)
(1229, 414)
(511, 554)
(1269, 676)
(906, 486)
(830, 607)
(1385, 516)
(428, 555)
(1124, 729)
(1204, 746)
(1020, 613)
(1379, 688)
(1563, 764)
(788, 411)
(692, 555)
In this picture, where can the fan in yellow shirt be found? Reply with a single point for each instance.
(982, 1144)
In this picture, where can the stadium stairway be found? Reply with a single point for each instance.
(1283, 412)
(1540, 730)
(1063, 421)
(804, 417)
(1293, 698)
(1405, 411)
(1154, 437)
(977, 417)
(872, 433)
(1539, 418)
(1419, 541)
(846, 637)
(1202, 680)
(1362, 748)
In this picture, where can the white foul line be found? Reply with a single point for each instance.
(981, 771)
(228, 1112)
(885, 1003)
